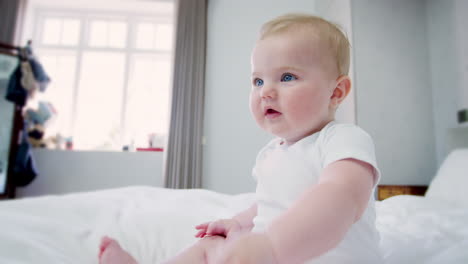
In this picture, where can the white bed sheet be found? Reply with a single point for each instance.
(417, 229)
(154, 223)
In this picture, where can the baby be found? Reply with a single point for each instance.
(315, 180)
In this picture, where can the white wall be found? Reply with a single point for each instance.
(339, 11)
(461, 37)
(393, 87)
(445, 62)
(232, 137)
(74, 171)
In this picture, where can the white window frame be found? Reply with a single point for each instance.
(130, 51)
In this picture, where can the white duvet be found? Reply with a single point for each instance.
(154, 223)
(417, 229)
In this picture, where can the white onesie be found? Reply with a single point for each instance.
(284, 172)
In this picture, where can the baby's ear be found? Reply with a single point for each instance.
(342, 89)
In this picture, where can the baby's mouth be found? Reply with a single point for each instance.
(271, 113)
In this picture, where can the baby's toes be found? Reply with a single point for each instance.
(112, 253)
(105, 243)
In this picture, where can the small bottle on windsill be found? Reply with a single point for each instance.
(132, 147)
(69, 143)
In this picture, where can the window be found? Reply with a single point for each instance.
(111, 75)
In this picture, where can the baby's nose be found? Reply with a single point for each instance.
(268, 91)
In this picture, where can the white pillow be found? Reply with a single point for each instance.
(451, 181)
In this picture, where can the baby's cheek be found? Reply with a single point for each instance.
(305, 112)
(299, 107)
(252, 99)
(255, 105)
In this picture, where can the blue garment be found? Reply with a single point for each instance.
(41, 115)
(16, 93)
(39, 74)
(24, 168)
(15, 90)
(38, 71)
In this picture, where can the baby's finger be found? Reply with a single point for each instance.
(214, 229)
(210, 228)
(200, 233)
(202, 226)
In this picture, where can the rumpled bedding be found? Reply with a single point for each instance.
(416, 229)
(151, 223)
(155, 223)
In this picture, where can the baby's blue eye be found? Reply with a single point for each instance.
(287, 77)
(258, 82)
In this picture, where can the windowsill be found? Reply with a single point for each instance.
(150, 149)
(146, 150)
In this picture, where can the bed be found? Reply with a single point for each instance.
(430, 229)
(154, 223)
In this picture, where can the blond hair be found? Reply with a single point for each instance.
(329, 32)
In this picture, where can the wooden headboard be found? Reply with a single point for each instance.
(457, 138)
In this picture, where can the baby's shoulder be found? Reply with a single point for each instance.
(268, 147)
(341, 132)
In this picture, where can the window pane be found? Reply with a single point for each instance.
(164, 37)
(147, 99)
(99, 102)
(60, 91)
(52, 28)
(145, 36)
(71, 31)
(98, 34)
(117, 34)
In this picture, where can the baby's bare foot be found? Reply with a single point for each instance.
(110, 252)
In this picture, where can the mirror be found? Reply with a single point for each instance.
(7, 64)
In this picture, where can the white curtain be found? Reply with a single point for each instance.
(11, 20)
(183, 160)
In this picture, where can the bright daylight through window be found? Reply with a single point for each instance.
(111, 75)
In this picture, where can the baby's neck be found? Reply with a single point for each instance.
(289, 142)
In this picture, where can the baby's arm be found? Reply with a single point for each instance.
(315, 223)
(245, 218)
(319, 220)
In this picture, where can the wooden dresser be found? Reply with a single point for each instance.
(386, 191)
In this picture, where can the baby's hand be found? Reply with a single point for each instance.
(222, 227)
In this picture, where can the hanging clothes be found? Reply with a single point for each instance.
(28, 81)
(41, 77)
(28, 77)
(16, 93)
(24, 168)
(39, 73)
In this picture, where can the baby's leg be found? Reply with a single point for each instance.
(111, 252)
(205, 251)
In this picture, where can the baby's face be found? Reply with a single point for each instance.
(293, 78)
